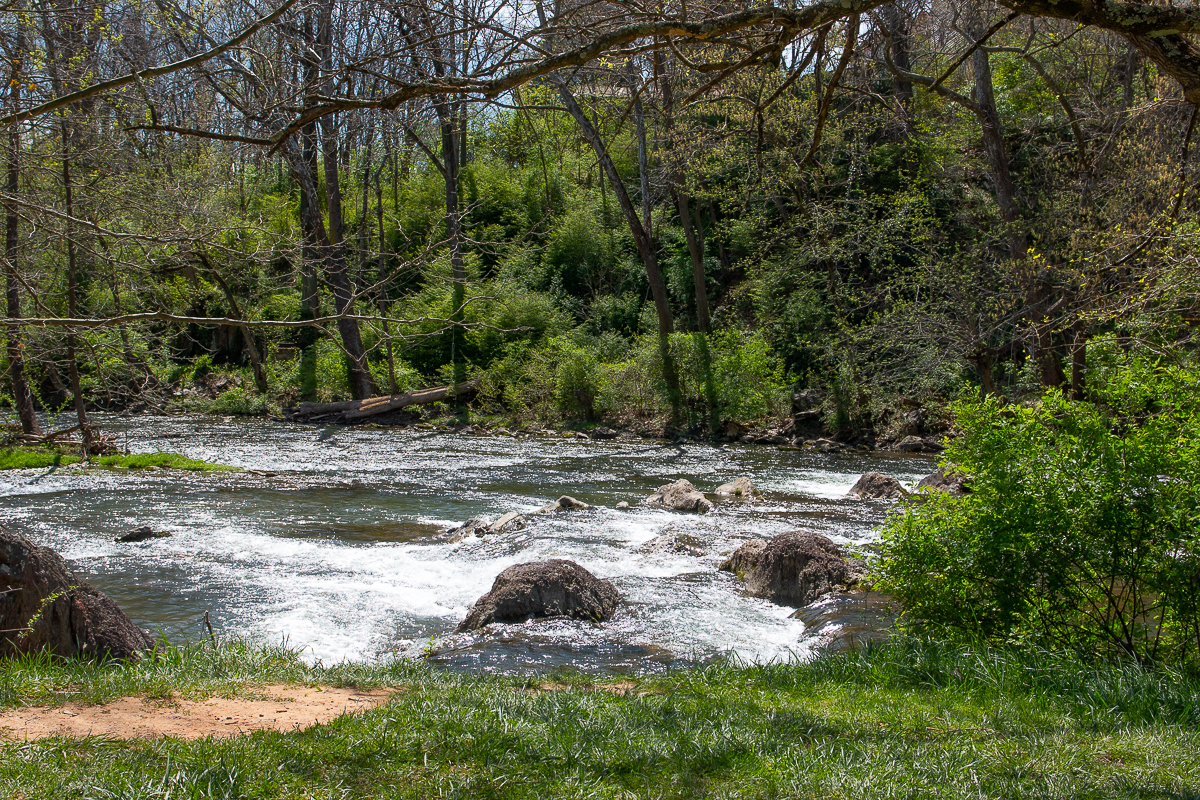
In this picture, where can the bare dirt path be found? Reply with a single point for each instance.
(283, 708)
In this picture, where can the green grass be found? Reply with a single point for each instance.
(42, 458)
(162, 461)
(27, 458)
(909, 719)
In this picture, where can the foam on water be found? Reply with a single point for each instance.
(334, 553)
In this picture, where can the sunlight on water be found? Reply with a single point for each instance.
(335, 554)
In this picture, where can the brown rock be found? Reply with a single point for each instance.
(564, 503)
(797, 568)
(43, 605)
(738, 487)
(142, 534)
(681, 496)
(553, 588)
(911, 444)
(746, 558)
(946, 479)
(877, 486)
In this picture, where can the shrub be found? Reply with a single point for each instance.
(239, 401)
(1082, 528)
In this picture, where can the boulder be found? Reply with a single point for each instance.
(796, 568)
(946, 479)
(564, 503)
(828, 446)
(512, 521)
(746, 558)
(877, 486)
(675, 543)
(911, 444)
(44, 606)
(604, 433)
(142, 534)
(681, 496)
(553, 588)
(622, 506)
(472, 527)
(738, 487)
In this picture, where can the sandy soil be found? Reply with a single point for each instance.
(286, 708)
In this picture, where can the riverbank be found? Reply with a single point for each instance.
(901, 720)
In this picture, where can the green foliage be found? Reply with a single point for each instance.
(1082, 528)
(241, 401)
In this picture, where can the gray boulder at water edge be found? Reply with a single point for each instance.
(680, 496)
(793, 569)
(877, 486)
(564, 503)
(44, 606)
(553, 588)
(946, 479)
(738, 487)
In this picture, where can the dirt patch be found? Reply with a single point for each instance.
(283, 708)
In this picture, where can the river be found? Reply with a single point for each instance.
(335, 553)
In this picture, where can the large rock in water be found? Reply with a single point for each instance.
(946, 479)
(742, 488)
(553, 588)
(877, 486)
(44, 606)
(793, 569)
(681, 496)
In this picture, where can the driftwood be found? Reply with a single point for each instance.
(352, 410)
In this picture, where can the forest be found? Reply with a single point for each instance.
(706, 219)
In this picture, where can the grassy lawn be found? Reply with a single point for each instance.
(43, 458)
(907, 720)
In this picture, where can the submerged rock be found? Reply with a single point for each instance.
(680, 496)
(512, 521)
(43, 605)
(877, 486)
(142, 534)
(553, 588)
(675, 543)
(794, 568)
(564, 503)
(472, 527)
(738, 487)
(946, 479)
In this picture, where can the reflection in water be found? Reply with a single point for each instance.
(335, 553)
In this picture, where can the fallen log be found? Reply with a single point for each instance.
(351, 410)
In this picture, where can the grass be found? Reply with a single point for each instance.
(42, 458)
(909, 719)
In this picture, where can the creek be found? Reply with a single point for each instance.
(336, 552)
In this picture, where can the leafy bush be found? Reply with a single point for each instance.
(239, 401)
(1082, 528)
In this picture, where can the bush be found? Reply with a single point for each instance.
(1082, 529)
(239, 401)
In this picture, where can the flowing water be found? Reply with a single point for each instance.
(336, 552)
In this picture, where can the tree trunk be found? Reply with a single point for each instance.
(447, 117)
(22, 397)
(85, 430)
(658, 288)
(897, 27)
(383, 282)
(1039, 288)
